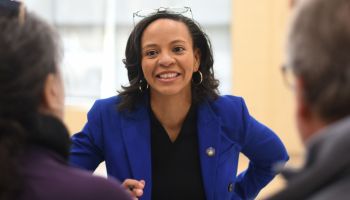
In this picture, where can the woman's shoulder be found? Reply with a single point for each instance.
(108, 107)
(228, 101)
(109, 103)
(229, 98)
(114, 100)
(228, 107)
(104, 107)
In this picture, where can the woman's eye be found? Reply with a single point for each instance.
(151, 53)
(178, 49)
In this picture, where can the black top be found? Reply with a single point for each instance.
(176, 171)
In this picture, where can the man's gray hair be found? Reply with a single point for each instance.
(319, 54)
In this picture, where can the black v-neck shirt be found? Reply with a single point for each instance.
(176, 171)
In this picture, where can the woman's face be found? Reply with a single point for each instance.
(168, 57)
(60, 95)
(53, 99)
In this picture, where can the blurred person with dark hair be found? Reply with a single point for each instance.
(169, 134)
(34, 143)
(318, 58)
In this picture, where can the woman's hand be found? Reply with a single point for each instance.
(135, 187)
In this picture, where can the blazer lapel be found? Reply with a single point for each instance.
(208, 138)
(137, 139)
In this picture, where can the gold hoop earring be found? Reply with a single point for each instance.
(140, 86)
(200, 80)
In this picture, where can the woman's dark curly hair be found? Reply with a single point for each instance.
(207, 89)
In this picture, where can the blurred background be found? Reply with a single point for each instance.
(248, 44)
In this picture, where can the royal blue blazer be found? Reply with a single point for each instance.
(123, 140)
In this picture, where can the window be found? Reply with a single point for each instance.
(94, 35)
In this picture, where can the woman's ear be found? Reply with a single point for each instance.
(53, 96)
(197, 59)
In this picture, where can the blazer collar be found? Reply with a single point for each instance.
(137, 138)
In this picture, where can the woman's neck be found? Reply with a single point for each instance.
(171, 111)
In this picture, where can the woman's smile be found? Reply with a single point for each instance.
(168, 76)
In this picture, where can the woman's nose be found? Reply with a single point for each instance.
(166, 59)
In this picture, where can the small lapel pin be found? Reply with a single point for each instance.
(210, 151)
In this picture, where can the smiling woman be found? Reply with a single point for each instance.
(168, 59)
(169, 134)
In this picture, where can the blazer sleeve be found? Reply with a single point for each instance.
(87, 145)
(264, 150)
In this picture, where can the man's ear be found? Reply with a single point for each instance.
(304, 113)
(303, 108)
(197, 59)
(308, 120)
(52, 99)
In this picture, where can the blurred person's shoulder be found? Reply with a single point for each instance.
(326, 173)
(47, 176)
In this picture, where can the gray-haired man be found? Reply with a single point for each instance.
(318, 56)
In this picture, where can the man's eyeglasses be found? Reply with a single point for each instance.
(186, 11)
(288, 76)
